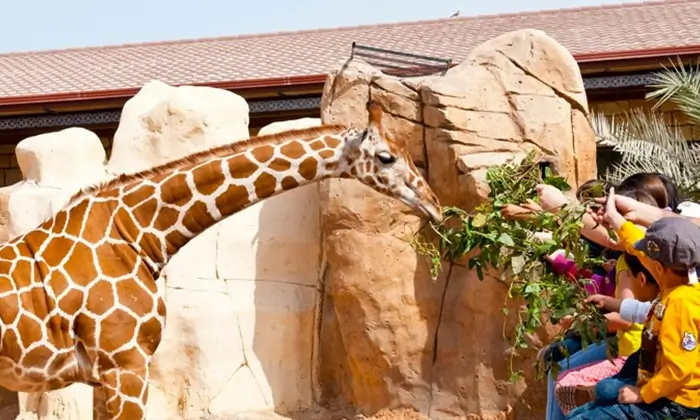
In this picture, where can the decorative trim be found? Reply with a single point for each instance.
(277, 105)
(611, 82)
(78, 119)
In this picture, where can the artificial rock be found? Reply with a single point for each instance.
(391, 336)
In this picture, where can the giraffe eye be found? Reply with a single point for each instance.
(386, 158)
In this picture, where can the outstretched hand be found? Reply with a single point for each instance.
(612, 217)
(632, 210)
(609, 215)
(551, 198)
(607, 303)
(520, 212)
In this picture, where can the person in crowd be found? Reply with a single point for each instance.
(647, 188)
(669, 364)
(579, 384)
(605, 378)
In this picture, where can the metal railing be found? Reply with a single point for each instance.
(398, 63)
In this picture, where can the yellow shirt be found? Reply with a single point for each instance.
(629, 339)
(669, 364)
(629, 234)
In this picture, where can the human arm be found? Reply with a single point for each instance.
(593, 231)
(679, 360)
(552, 199)
(634, 311)
(521, 212)
(604, 302)
(628, 233)
(615, 321)
(640, 213)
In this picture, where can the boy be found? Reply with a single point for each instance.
(668, 385)
(646, 290)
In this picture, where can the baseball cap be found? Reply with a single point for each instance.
(675, 243)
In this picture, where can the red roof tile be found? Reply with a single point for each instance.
(585, 31)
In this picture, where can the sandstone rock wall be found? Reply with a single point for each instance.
(390, 335)
(241, 297)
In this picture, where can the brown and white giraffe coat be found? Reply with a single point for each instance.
(78, 294)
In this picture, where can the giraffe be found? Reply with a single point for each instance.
(79, 300)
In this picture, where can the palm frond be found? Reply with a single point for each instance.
(679, 85)
(647, 144)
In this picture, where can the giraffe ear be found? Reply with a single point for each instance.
(375, 113)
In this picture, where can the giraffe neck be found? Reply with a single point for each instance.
(172, 208)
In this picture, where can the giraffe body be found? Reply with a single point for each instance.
(78, 295)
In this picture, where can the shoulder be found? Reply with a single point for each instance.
(684, 298)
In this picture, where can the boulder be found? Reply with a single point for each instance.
(68, 159)
(54, 167)
(162, 123)
(391, 336)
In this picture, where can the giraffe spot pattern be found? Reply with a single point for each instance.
(78, 294)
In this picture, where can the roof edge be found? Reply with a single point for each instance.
(621, 4)
(637, 54)
(319, 78)
(127, 92)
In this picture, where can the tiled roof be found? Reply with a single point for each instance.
(585, 32)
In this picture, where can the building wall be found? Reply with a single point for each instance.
(671, 114)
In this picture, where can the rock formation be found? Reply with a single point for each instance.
(391, 336)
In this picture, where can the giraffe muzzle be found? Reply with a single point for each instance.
(431, 211)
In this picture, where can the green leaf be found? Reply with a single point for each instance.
(532, 288)
(541, 295)
(479, 220)
(558, 182)
(506, 240)
(514, 376)
(517, 264)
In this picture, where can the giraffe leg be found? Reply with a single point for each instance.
(123, 395)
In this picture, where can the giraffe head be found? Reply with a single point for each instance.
(382, 162)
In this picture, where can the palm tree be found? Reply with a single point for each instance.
(646, 143)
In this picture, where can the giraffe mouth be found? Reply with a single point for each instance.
(430, 211)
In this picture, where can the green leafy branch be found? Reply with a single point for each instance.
(488, 240)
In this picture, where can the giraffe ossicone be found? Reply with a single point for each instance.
(78, 294)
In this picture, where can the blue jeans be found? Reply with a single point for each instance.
(592, 353)
(662, 409)
(607, 390)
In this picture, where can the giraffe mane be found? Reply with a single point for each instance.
(213, 153)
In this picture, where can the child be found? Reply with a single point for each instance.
(669, 368)
(646, 290)
(599, 284)
(574, 386)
